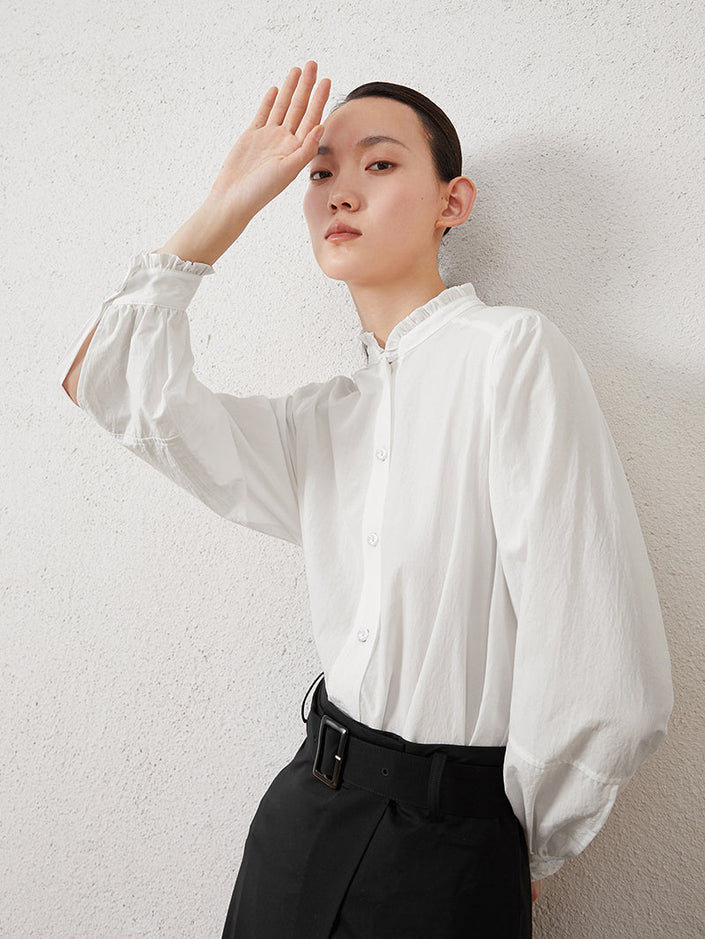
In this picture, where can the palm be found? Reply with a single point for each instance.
(260, 159)
(279, 142)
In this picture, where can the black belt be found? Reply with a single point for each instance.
(434, 782)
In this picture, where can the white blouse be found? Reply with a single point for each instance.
(476, 568)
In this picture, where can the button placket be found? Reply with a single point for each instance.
(364, 631)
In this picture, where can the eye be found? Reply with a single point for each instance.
(384, 163)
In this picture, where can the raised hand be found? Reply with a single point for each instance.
(282, 138)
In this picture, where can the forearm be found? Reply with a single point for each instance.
(210, 231)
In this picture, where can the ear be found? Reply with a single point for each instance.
(459, 198)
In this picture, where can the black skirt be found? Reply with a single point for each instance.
(345, 862)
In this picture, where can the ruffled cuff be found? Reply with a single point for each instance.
(161, 278)
(170, 262)
(544, 867)
(152, 277)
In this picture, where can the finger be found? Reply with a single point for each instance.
(299, 102)
(296, 161)
(260, 118)
(281, 105)
(314, 112)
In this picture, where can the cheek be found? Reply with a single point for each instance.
(409, 203)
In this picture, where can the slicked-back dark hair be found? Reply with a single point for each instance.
(442, 137)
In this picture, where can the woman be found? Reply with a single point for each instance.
(494, 655)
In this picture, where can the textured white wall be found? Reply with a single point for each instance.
(154, 656)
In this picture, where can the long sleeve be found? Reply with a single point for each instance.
(234, 454)
(592, 690)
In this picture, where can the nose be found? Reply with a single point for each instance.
(343, 197)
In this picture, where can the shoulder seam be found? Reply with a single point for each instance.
(522, 314)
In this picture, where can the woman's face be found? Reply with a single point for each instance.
(388, 191)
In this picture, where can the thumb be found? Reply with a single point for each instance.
(307, 151)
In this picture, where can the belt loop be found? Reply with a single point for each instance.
(438, 760)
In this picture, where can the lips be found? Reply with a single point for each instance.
(342, 236)
(340, 228)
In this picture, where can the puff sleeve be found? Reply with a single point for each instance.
(234, 454)
(591, 688)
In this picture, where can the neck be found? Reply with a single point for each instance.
(381, 306)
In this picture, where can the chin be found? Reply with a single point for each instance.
(340, 264)
(335, 275)
(338, 268)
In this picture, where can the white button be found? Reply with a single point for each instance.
(362, 634)
(372, 538)
(381, 454)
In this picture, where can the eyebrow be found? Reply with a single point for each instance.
(367, 142)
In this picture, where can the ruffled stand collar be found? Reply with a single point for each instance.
(439, 304)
